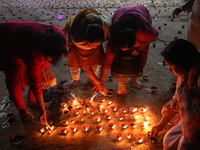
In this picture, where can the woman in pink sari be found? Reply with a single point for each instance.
(183, 60)
(128, 45)
(25, 48)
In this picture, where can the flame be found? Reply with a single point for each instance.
(75, 102)
(109, 102)
(133, 109)
(97, 119)
(140, 140)
(85, 127)
(73, 129)
(145, 124)
(129, 135)
(119, 137)
(99, 127)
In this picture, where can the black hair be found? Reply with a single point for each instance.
(53, 45)
(123, 34)
(94, 33)
(87, 29)
(180, 53)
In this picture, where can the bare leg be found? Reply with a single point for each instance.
(75, 73)
(122, 86)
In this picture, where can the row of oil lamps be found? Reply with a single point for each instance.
(99, 128)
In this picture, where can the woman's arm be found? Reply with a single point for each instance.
(187, 6)
(35, 83)
(40, 102)
(164, 120)
(169, 110)
(108, 60)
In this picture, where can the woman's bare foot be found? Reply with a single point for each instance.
(73, 84)
(136, 83)
(25, 115)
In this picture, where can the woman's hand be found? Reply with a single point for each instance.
(155, 130)
(43, 118)
(100, 89)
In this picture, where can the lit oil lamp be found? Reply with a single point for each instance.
(72, 120)
(71, 102)
(63, 105)
(146, 117)
(132, 125)
(124, 125)
(102, 99)
(78, 106)
(124, 110)
(42, 130)
(109, 102)
(73, 129)
(64, 122)
(145, 124)
(49, 131)
(50, 128)
(133, 109)
(47, 128)
(81, 118)
(99, 127)
(140, 139)
(63, 131)
(118, 136)
(113, 108)
(85, 127)
(111, 125)
(104, 110)
(84, 111)
(142, 109)
(129, 135)
(92, 111)
(97, 118)
(107, 116)
(134, 117)
(76, 112)
(122, 117)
